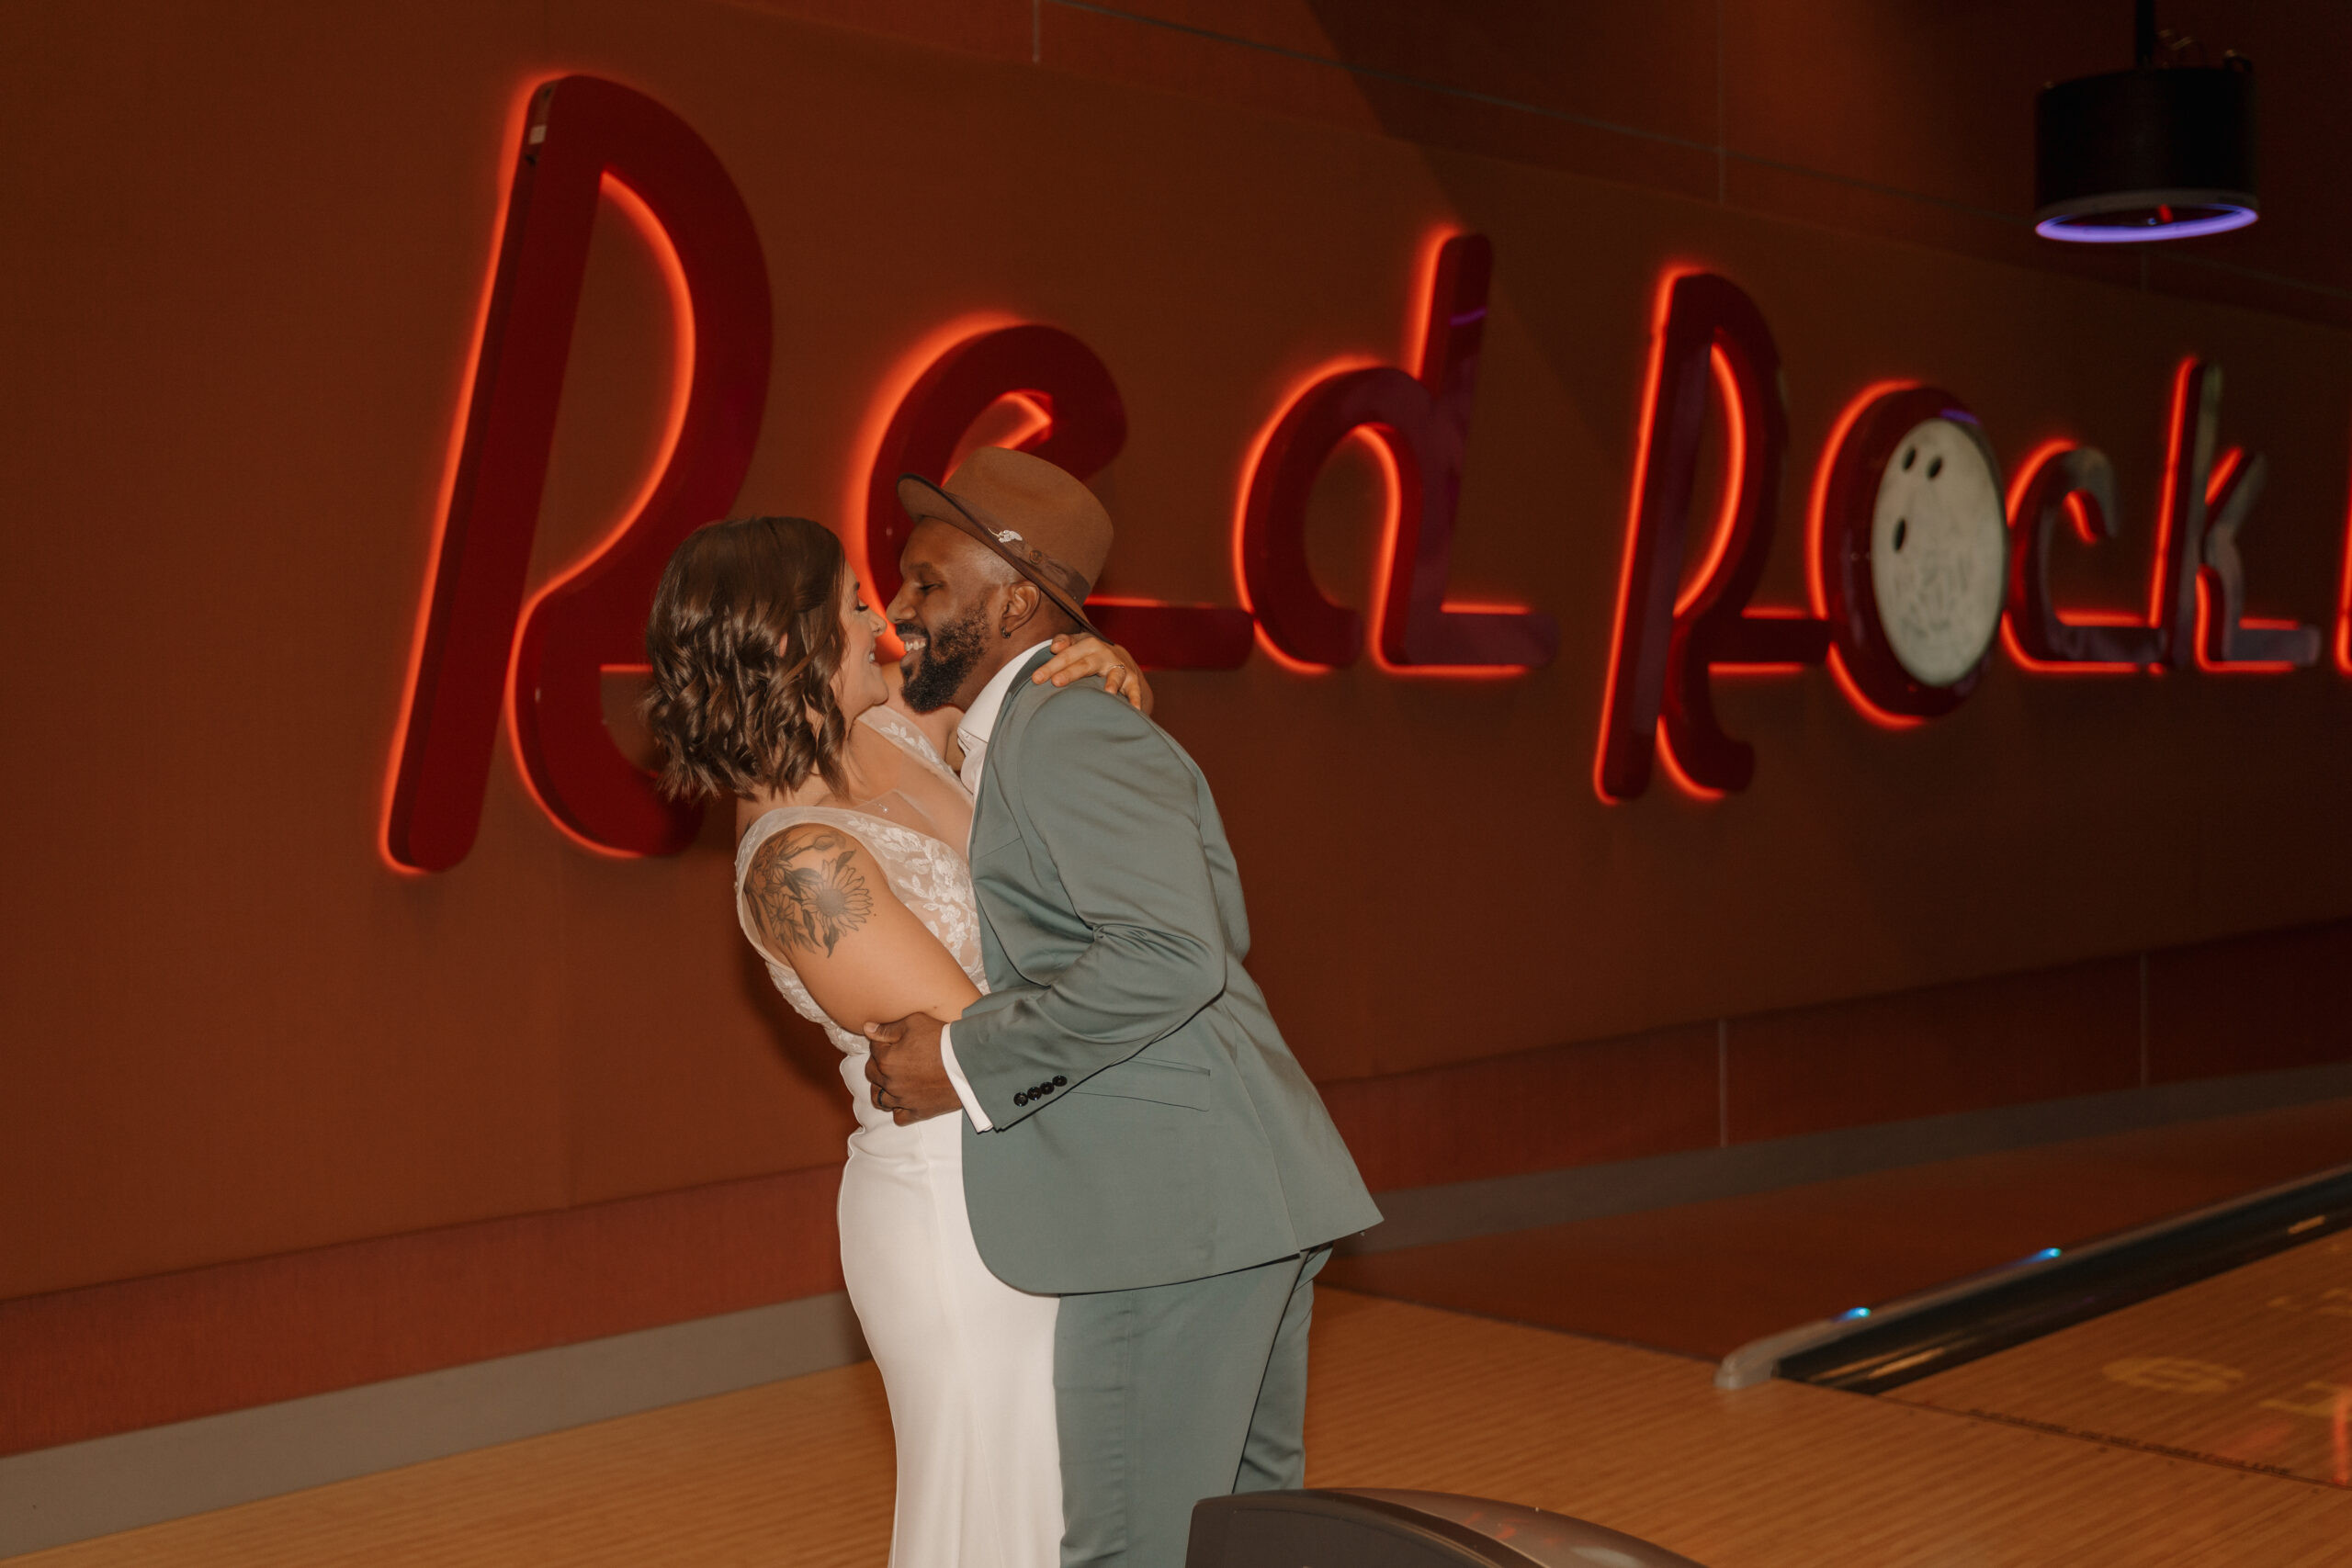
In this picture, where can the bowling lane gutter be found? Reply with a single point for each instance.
(1874, 1348)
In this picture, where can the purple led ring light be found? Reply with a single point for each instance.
(2079, 221)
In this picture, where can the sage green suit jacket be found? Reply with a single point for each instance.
(1150, 1125)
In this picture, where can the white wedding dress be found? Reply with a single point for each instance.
(967, 1359)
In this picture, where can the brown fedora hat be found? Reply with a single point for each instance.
(1046, 525)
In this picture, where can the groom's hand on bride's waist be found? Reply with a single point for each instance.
(903, 1067)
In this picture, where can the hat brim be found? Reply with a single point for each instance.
(923, 499)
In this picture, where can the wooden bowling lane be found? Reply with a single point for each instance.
(1779, 1476)
(795, 1472)
(2252, 1369)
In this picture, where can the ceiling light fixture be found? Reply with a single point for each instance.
(2154, 152)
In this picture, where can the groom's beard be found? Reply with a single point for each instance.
(935, 673)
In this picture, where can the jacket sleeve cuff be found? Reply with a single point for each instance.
(980, 1123)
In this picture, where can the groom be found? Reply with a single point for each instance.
(1138, 1141)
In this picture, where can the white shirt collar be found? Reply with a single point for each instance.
(979, 719)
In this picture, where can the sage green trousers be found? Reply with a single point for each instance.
(1170, 1393)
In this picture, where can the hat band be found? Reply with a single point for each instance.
(1063, 577)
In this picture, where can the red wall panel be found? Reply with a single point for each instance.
(1583, 1104)
(81, 1364)
(2277, 999)
(2008, 1040)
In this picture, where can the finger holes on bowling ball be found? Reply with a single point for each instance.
(1934, 468)
(1902, 531)
(1910, 456)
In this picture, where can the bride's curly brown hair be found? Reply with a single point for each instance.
(745, 639)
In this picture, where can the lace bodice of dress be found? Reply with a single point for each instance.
(929, 877)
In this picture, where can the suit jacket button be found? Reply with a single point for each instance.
(1020, 1100)
(1059, 1080)
(1045, 1089)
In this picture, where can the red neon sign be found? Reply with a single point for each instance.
(1865, 457)
(2344, 600)
(1082, 425)
(2180, 516)
(1668, 646)
(1422, 425)
(2197, 600)
(2065, 483)
(2227, 638)
(585, 139)
(1664, 647)
(2197, 591)
(478, 648)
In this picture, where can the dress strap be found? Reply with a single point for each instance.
(892, 725)
(769, 824)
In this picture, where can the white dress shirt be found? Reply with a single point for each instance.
(980, 724)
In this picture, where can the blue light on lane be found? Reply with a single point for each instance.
(2047, 1253)
(1852, 1313)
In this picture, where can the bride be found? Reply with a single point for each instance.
(851, 880)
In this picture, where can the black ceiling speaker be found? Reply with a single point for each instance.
(2154, 152)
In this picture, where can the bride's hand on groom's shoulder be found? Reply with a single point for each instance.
(904, 1070)
(1078, 657)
